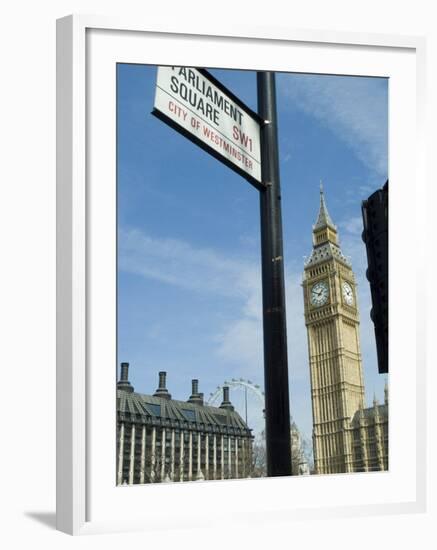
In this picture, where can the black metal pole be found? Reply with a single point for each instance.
(277, 405)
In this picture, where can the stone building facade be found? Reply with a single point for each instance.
(369, 429)
(347, 437)
(162, 439)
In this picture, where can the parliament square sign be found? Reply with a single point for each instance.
(194, 103)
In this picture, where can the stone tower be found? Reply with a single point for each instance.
(332, 321)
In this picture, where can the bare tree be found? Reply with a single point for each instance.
(300, 454)
(258, 466)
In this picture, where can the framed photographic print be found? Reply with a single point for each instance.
(228, 264)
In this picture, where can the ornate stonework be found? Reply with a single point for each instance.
(337, 386)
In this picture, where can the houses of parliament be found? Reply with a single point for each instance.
(347, 436)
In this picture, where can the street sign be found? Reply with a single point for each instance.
(195, 104)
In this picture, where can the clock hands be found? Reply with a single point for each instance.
(348, 294)
(319, 294)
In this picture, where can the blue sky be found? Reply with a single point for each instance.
(189, 283)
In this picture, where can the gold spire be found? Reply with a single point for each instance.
(324, 229)
(323, 219)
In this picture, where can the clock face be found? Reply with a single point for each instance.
(348, 295)
(319, 293)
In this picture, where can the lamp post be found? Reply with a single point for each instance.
(277, 401)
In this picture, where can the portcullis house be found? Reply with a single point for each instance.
(160, 439)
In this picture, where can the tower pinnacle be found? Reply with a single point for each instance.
(324, 230)
(323, 219)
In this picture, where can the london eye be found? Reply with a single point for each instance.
(249, 400)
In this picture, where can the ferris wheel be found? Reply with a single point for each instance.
(239, 384)
(301, 445)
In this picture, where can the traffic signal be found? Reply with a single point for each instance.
(375, 236)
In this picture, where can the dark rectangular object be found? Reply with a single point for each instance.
(375, 236)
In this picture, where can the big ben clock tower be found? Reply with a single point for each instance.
(332, 321)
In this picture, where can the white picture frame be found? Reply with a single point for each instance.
(87, 47)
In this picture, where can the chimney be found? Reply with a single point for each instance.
(162, 391)
(195, 396)
(226, 404)
(123, 383)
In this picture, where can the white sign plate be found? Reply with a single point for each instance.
(198, 106)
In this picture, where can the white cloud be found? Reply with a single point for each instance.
(178, 263)
(239, 343)
(296, 330)
(352, 225)
(355, 109)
